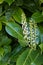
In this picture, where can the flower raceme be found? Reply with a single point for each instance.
(30, 32)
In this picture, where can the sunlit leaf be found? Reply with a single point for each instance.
(38, 17)
(1, 1)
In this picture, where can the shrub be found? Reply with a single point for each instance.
(21, 32)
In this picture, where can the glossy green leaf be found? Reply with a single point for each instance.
(38, 17)
(15, 30)
(26, 58)
(17, 14)
(23, 58)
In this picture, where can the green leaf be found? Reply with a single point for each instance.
(1, 1)
(8, 15)
(4, 51)
(41, 46)
(38, 57)
(7, 49)
(38, 17)
(16, 52)
(23, 58)
(22, 42)
(41, 28)
(17, 14)
(1, 51)
(15, 30)
(0, 26)
(26, 58)
(4, 40)
(9, 1)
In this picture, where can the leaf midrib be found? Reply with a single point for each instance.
(27, 56)
(12, 28)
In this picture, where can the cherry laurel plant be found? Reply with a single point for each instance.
(21, 32)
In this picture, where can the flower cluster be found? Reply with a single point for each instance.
(34, 33)
(25, 28)
(30, 31)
